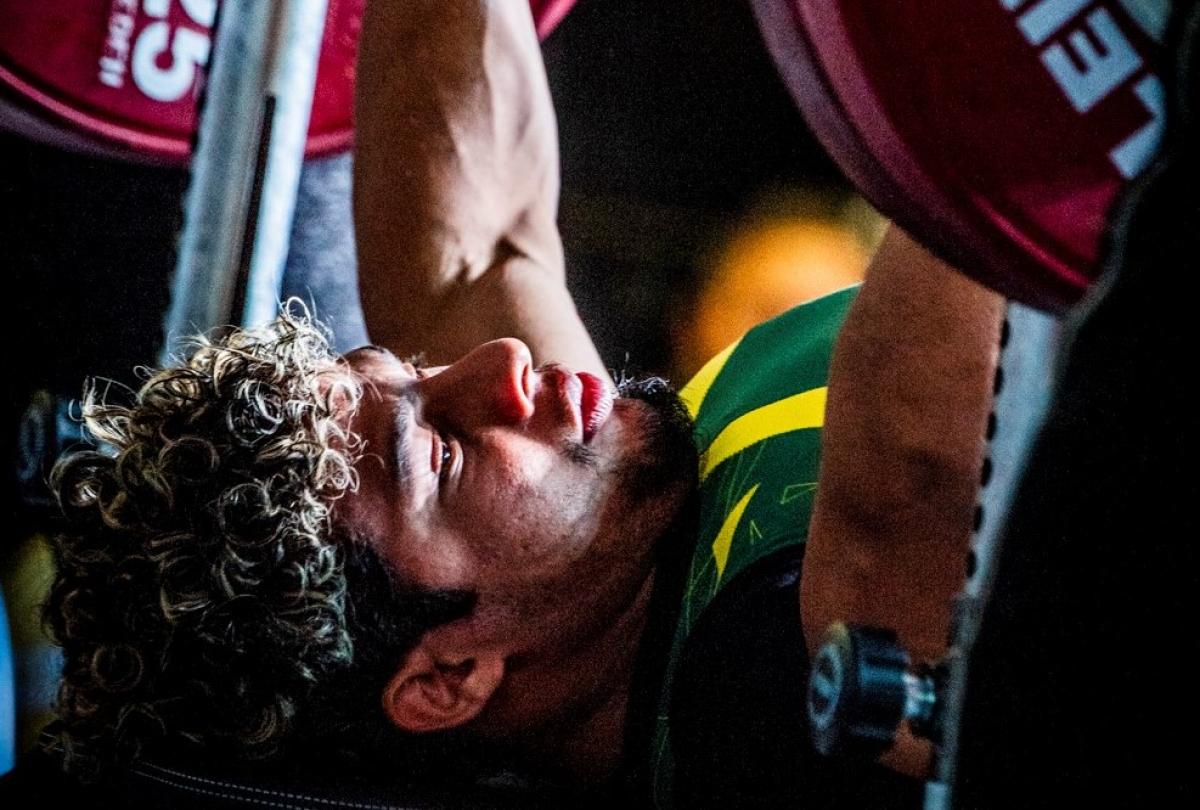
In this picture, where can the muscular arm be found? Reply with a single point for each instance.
(910, 390)
(456, 184)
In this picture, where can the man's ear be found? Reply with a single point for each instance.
(432, 693)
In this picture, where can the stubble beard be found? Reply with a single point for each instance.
(663, 469)
(667, 461)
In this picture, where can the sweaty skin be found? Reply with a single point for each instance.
(456, 182)
(509, 482)
(456, 186)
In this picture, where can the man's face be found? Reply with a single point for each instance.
(532, 488)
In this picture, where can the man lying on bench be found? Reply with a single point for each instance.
(306, 579)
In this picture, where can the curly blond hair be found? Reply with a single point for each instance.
(200, 596)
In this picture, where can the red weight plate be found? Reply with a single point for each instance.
(120, 77)
(998, 131)
(803, 76)
(331, 128)
(547, 14)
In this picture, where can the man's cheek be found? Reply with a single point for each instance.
(523, 466)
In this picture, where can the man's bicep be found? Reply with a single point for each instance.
(456, 175)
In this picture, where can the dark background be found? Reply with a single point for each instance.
(673, 124)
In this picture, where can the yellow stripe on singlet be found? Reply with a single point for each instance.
(724, 539)
(804, 410)
(694, 392)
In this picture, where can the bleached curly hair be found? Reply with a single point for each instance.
(201, 596)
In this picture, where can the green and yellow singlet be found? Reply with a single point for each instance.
(758, 408)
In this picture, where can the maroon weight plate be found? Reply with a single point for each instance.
(998, 131)
(121, 76)
(547, 14)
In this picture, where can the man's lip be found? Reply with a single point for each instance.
(595, 405)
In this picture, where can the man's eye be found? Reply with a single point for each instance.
(446, 463)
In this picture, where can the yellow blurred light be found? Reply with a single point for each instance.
(764, 270)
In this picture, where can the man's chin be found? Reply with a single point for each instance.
(667, 456)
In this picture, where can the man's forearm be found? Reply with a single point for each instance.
(909, 395)
(456, 180)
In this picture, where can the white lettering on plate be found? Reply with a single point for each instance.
(1090, 58)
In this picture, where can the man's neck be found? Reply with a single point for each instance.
(592, 746)
(573, 712)
(584, 732)
(599, 743)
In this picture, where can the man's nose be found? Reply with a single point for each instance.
(493, 384)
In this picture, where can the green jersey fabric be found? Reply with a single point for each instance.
(758, 409)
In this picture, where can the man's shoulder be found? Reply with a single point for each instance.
(780, 357)
(812, 324)
(739, 701)
(734, 699)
